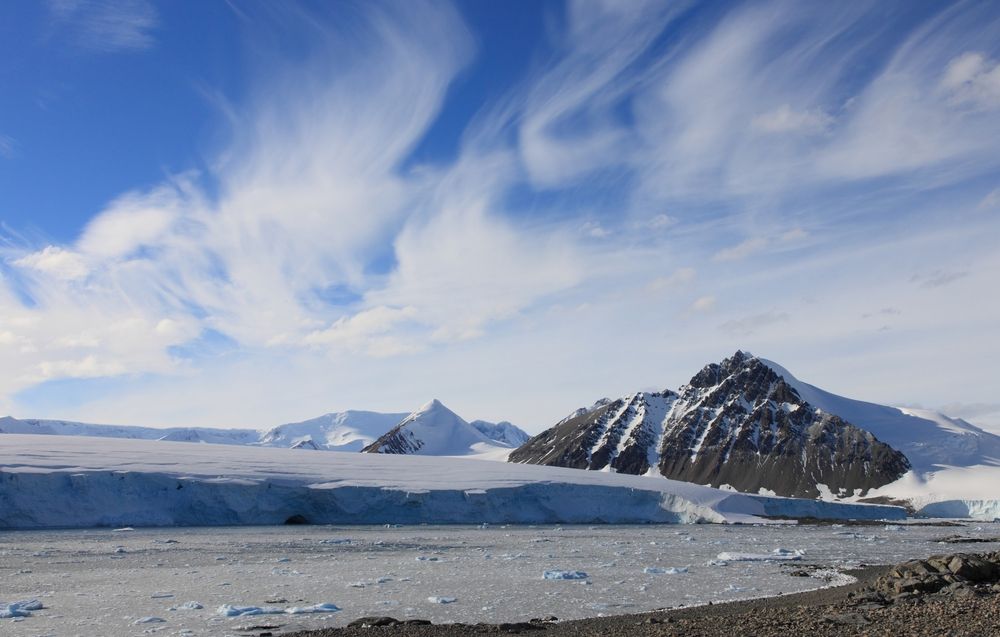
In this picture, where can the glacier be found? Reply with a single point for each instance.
(57, 481)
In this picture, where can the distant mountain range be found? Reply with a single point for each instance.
(745, 424)
(341, 431)
(748, 424)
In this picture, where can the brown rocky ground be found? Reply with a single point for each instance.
(953, 595)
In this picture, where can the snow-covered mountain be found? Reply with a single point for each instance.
(350, 430)
(737, 423)
(9, 425)
(435, 430)
(930, 440)
(503, 432)
(341, 431)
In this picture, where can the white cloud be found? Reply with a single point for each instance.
(317, 192)
(131, 222)
(742, 250)
(785, 120)
(748, 325)
(7, 146)
(55, 261)
(660, 221)
(675, 279)
(973, 79)
(793, 235)
(704, 304)
(595, 230)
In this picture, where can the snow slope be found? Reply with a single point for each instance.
(341, 431)
(956, 465)
(350, 430)
(53, 481)
(928, 439)
(502, 432)
(435, 430)
(9, 425)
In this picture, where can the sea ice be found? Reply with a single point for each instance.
(671, 570)
(149, 620)
(776, 555)
(19, 609)
(442, 600)
(229, 610)
(564, 575)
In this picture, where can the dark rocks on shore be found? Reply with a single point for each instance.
(958, 574)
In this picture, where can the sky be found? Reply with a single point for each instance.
(239, 213)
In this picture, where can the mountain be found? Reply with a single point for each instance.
(341, 431)
(931, 441)
(350, 430)
(9, 425)
(503, 432)
(736, 424)
(435, 430)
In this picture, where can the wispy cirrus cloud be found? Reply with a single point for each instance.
(793, 147)
(106, 26)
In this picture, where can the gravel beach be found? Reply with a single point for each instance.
(884, 601)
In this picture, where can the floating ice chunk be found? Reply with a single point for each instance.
(336, 541)
(120, 549)
(894, 527)
(442, 600)
(425, 558)
(282, 560)
(316, 608)
(188, 606)
(229, 610)
(671, 570)
(19, 609)
(716, 563)
(149, 620)
(776, 555)
(122, 530)
(733, 588)
(564, 575)
(382, 580)
(160, 595)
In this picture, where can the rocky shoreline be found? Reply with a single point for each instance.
(956, 595)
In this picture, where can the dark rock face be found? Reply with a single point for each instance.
(397, 440)
(620, 433)
(736, 423)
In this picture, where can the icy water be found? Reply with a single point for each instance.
(101, 582)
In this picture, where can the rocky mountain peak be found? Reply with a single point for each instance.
(736, 423)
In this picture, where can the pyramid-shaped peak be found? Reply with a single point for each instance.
(433, 405)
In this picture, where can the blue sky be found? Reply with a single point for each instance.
(243, 213)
